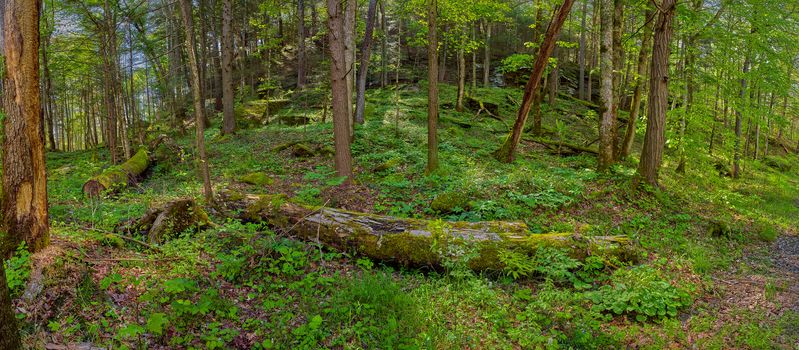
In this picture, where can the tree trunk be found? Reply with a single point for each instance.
(118, 177)
(487, 54)
(349, 59)
(410, 242)
(652, 153)
(9, 337)
(338, 84)
(363, 68)
(432, 87)
(461, 80)
(48, 88)
(24, 172)
(300, 44)
(607, 124)
(581, 53)
(506, 153)
(635, 108)
(618, 68)
(383, 46)
(228, 117)
(199, 109)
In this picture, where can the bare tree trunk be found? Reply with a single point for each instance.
(300, 44)
(652, 154)
(228, 118)
(432, 86)
(48, 88)
(383, 46)
(618, 68)
(338, 83)
(736, 158)
(506, 153)
(581, 53)
(363, 68)
(607, 124)
(487, 54)
(24, 172)
(349, 59)
(461, 80)
(196, 87)
(635, 108)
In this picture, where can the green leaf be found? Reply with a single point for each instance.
(156, 323)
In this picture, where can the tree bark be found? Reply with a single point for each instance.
(506, 153)
(48, 87)
(487, 54)
(363, 68)
(432, 87)
(9, 336)
(581, 53)
(618, 67)
(607, 123)
(652, 153)
(338, 84)
(300, 44)
(461, 80)
(199, 108)
(410, 242)
(635, 108)
(228, 117)
(349, 59)
(24, 172)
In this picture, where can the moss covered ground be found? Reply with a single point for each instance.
(239, 285)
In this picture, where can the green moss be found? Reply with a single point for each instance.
(256, 178)
(448, 201)
(387, 165)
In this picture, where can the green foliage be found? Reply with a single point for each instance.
(516, 62)
(18, 269)
(640, 291)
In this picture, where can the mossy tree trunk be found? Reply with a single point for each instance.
(415, 242)
(118, 177)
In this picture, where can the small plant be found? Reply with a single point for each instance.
(517, 265)
(18, 269)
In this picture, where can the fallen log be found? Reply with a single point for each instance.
(118, 177)
(415, 242)
(167, 220)
(560, 144)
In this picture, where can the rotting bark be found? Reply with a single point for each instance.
(169, 219)
(410, 242)
(118, 177)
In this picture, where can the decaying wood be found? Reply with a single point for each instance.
(554, 145)
(171, 218)
(410, 242)
(118, 176)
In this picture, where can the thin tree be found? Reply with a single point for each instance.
(638, 83)
(24, 173)
(366, 54)
(432, 87)
(228, 118)
(607, 122)
(506, 153)
(196, 88)
(338, 83)
(654, 140)
(300, 44)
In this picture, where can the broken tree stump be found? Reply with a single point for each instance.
(410, 242)
(117, 177)
(167, 220)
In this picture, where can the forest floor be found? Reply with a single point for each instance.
(720, 267)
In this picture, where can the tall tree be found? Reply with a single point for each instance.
(363, 68)
(338, 83)
(506, 153)
(654, 140)
(432, 86)
(228, 118)
(300, 44)
(607, 122)
(24, 171)
(638, 87)
(199, 102)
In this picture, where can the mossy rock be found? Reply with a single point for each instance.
(720, 229)
(302, 150)
(257, 178)
(447, 202)
(387, 165)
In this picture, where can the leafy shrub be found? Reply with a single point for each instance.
(641, 292)
(18, 269)
(516, 62)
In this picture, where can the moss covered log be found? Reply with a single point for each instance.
(119, 176)
(410, 242)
